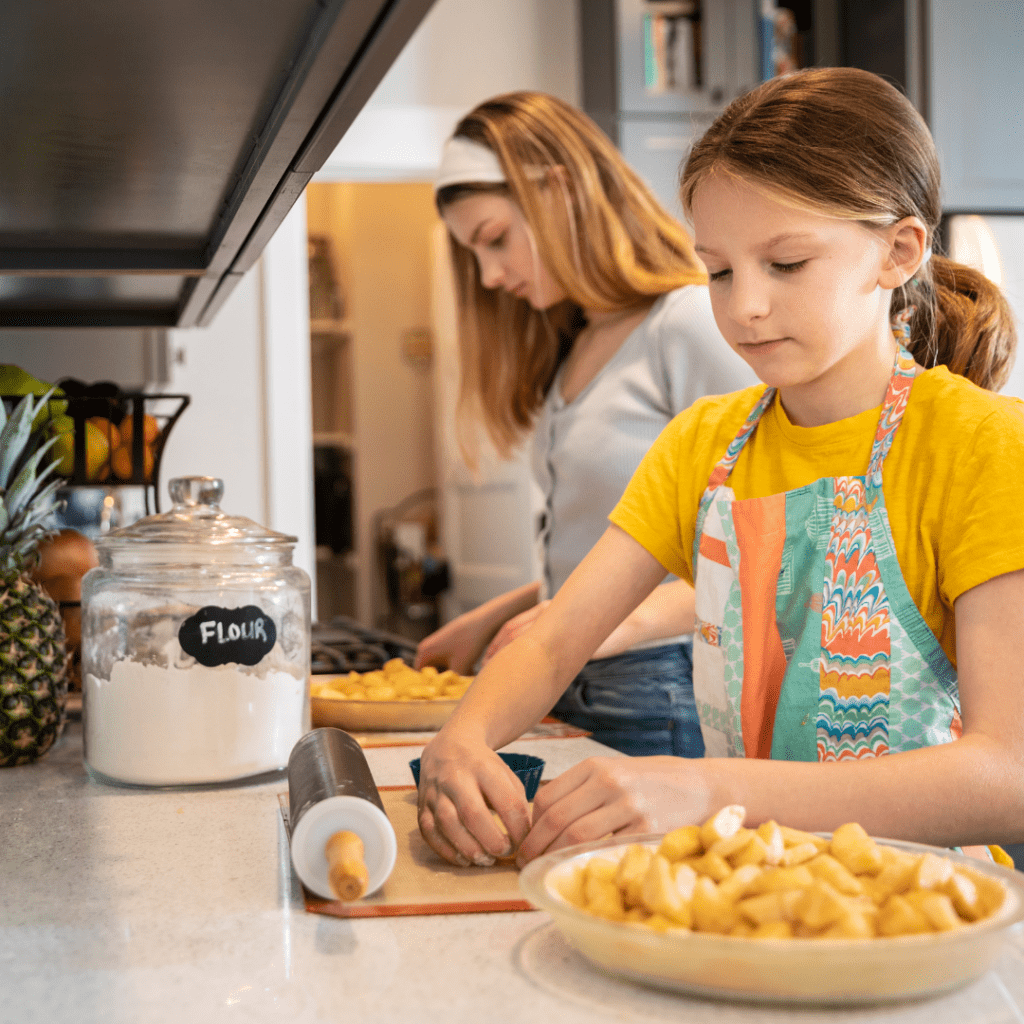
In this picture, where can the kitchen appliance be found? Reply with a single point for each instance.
(414, 569)
(153, 149)
(195, 646)
(344, 645)
(994, 245)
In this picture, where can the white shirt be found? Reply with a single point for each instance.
(585, 451)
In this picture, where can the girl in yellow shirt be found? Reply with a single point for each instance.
(854, 529)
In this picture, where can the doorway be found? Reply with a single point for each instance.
(395, 503)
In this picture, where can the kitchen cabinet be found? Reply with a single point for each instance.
(152, 149)
(656, 60)
(656, 73)
(331, 374)
(330, 351)
(656, 149)
(957, 60)
(975, 84)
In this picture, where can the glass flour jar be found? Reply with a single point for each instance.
(195, 646)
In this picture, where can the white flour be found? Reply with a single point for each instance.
(179, 726)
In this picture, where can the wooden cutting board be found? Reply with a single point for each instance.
(546, 729)
(421, 882)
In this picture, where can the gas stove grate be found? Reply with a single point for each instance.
(344, 645)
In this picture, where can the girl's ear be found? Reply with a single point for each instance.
(907, 242)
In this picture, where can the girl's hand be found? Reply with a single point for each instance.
(455, 645)
(460, 781)
(515, 627)
(458, 644)
(617, 796)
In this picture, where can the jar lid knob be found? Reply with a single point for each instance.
(196, 490)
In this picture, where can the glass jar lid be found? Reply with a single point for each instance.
(195, 520)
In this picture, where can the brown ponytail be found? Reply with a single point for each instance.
(961, 321)
(843, 142)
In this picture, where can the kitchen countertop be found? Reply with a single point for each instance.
(127, 905)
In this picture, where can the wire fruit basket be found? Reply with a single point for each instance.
(109, 436)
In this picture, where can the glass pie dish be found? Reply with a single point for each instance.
(814, 971)
(381, 715)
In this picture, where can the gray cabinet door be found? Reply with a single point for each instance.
(655, 150)
(976, 81)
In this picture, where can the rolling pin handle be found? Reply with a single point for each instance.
(346, 866)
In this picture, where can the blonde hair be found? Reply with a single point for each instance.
(845, 143)
(615, 248)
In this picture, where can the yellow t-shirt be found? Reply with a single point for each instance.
(953, 482)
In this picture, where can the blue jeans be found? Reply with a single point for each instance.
(640, 702)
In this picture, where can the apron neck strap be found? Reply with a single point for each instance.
(893, 407)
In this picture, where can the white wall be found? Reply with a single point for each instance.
(249, 421)
(464, 51)
(221, 432)
(129, 357)
(287, 393)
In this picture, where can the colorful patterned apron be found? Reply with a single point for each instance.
(808, 645)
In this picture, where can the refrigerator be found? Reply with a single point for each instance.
(994, 245)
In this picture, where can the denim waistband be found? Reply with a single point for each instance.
(646, 658)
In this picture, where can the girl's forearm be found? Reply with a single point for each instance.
(667, 612)
(500, 705)
(950, 795)
(524, 679)
(493, 614)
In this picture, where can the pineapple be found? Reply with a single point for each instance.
(33, 659)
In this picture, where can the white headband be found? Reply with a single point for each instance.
(466, 162)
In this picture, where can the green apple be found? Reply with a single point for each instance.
(16, 381)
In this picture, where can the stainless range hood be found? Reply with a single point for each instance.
(150, 148)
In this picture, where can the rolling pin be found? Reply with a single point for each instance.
(342, 844)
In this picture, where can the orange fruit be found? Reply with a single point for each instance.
(121, 462)
(150, 428)
(110, 432)
(67, 555)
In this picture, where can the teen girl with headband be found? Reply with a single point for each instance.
(585, 316)
(854, 528)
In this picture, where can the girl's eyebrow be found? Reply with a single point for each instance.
(786, 236)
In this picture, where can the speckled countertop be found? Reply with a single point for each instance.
(124, 905)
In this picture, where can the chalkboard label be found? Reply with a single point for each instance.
(216, 636)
